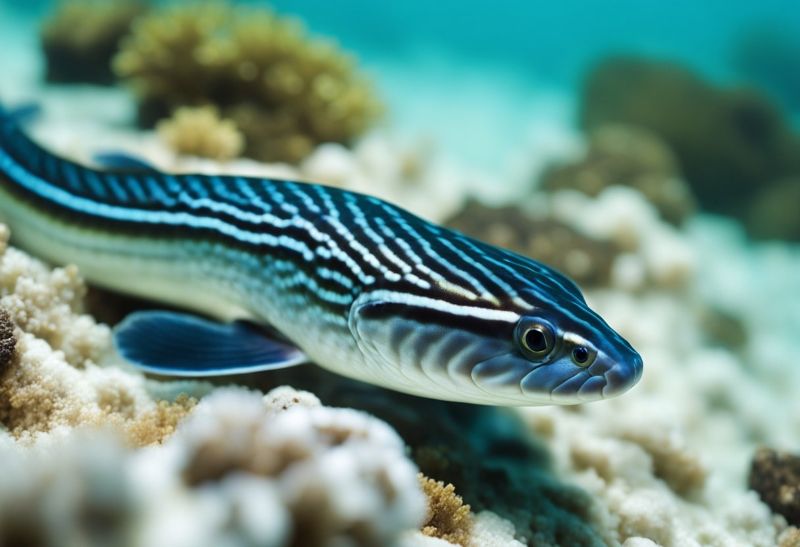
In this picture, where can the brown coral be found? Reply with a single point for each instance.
(82, 36)
(586, 260)
(284, 91)
(627, 156)
(730, 143)
(789, 537)
(774, 213)
(8, 341)
(448, 518)
(201, 132)
(776, 477)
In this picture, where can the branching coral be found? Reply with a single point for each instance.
(284, 91)
(448, 517)
(201, 132)
(82, 36)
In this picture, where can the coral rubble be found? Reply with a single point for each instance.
(82, 36)
(776, 478)
(284, 91)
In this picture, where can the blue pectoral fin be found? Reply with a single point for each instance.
(120, 161)
(178, 344)
(22, 113)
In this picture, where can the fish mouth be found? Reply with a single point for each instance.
(562, 384)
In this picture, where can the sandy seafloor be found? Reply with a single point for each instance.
(665, 463)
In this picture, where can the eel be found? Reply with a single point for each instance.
(274, 273)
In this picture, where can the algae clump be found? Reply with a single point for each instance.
(286, 92)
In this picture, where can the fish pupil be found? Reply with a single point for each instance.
(580, 354)
(535, 340)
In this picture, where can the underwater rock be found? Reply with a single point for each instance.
(730, 143)
(628, 156)
(775, 213)
(586, 260)
(284, 91)
(200, 131)
(82, 36)
(447, 516)
(776, 477)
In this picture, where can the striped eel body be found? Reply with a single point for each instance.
(347, 281)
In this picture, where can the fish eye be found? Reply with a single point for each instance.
(582, 356)
(535, 338)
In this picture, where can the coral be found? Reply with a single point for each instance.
(201, 132)
(789, 537)
(773, 214)
(730, 143)
(82, 36)
(284, 91)
(776, 478)
(8, 342)
(341, 474)
(448, 517)
(54, 382)
(627, 156)
(490, 530)
(485, 452)
(79, 497)
(586, 260)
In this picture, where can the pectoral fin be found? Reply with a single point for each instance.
(179, 344)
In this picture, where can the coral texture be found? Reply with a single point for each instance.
(447, 517)
(627, 156)
(54, 383)
(288, 471)
(486, 453)
(81, 37)
(201, 132)
(284, 91)
(8, 342)
(776, 478)
(278, 471)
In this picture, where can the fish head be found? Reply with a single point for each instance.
(534, 341)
